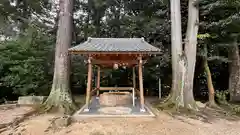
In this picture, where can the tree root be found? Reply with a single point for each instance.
(213, 105)
(166, 105)
(192, 107)
(175, 106)
(59, 100)
(170, 104)
(169, 97)
(173, 103)
(64, 108)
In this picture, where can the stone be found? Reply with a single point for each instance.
(31, 100)
(115, 99)
(115, 110)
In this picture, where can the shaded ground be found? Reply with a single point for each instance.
(207, 122)
(164, 124)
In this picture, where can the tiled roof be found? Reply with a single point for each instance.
(115, 45)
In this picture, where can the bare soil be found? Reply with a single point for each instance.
(163, 124)
(10, 114)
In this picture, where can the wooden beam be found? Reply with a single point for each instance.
(88, 92)
(140, 72)
(114, 61)
(98, 80)
(118, 92)
(93, 90)
(134, 78)
(115, 88)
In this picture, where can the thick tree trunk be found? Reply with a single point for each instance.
(183, 64)
(191, 51)
(60, 97)
(176, 39)
(234, 77)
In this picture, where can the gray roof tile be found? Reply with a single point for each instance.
(115, 45)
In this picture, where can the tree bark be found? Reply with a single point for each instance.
(191, 51)
(183, 64)
(211, 90)
(234, 73)
(60, 97)
(176, 39)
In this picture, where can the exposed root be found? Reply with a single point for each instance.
(171, 104)
(213, 105)
(59, 104)
(175, 106)
(62, 107)
(169, 97)
(192, 107)
(166, 105)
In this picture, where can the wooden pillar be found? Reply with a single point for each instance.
(89, 82)
(98, 81)
(140, 72)
(134, 83)
(134, 78)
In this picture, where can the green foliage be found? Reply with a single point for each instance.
(222, 96)
(17, 15)
(25, 63)
(221, 17)
(203, 36)
(222, 100)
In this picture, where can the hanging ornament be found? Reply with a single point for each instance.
(115, 66)
(124, 66)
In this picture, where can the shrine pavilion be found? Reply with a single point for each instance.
(115, 53)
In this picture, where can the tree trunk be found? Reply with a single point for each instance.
(191, 51)
(234, 73)
(176, 39)
(211, 90)
(60, 97)
(183, 64)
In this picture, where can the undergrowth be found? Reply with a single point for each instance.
(222, 101)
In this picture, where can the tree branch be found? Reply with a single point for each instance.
(218, 58)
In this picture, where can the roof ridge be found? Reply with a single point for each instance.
(113, 38)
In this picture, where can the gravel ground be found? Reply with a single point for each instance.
(164, 124)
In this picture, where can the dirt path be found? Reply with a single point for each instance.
(10, 114)
(162, 125)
